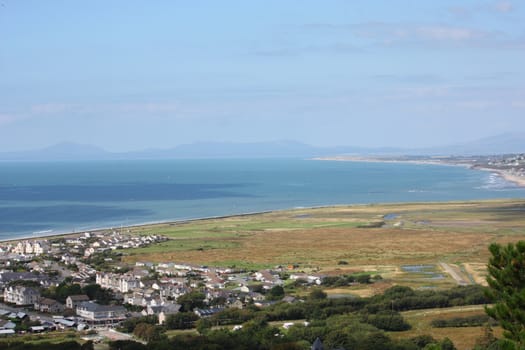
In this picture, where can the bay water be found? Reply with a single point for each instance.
(38, 198)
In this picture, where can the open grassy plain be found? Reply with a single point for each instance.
(417, 244)
(463, 337)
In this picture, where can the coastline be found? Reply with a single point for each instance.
(36, 236)
(518, 181)
(506, 175)
(204, 218)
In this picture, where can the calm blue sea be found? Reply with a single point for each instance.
(42, 198)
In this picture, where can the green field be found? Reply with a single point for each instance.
(318, 239)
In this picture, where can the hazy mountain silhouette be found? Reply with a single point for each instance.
(500, 144)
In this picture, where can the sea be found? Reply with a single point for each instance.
(45, 198)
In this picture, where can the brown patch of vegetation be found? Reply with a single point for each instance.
(463, 337)
(317, 239)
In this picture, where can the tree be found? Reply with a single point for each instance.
(203, 325)
(181, 320)
(192, 300)
(146, 331)
(276, 293)
(87, 345)
(506, 290)
(101, 295)
(317, 294)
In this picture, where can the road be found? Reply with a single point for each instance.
(454, 274)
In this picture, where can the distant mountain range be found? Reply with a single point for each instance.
(501, 144)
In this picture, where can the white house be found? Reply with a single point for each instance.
(21, 295)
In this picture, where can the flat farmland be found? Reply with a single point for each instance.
(463, 337)
(387, 239)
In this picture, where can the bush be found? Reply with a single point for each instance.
(470, 321)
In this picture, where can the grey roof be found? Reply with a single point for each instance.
(9, 276)
(318, 345)
(94, 307)
(207, 312)
(4, 312)
(47, 301)
(4, 324)
(65, 322)
(79, 297)
(171, 308)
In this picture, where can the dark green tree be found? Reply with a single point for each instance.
(181, 320)
(317, 294)
(203, 325)
(506, 280)
(276, 293)
(96, 292)
(192, 300)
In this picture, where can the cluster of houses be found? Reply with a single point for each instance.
(80, 245)
(146, 288)
(155, 296)
(89, 311)
(513, 164)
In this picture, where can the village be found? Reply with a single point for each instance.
(77, 282)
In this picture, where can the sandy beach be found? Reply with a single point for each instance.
(510, 177)
(517, 180)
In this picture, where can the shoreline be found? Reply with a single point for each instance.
(394, 161)
(516, 180)
(519, 181)
(175, 222)
(52, 234)
(218, 217)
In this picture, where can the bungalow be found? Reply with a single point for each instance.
(73, 300)
(62, 323)
(166, 310)
(4, 312)
(237, 304)
(5, 332)
(207, 312)
(266, 276)
(213, 281)
(7, 324)
(49, 305)
(311, 279)
(264, 303)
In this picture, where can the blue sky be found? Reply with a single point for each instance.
(129, 75)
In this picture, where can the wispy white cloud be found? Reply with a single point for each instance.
(154, 107)
(50, 108)
(6, 118)
(127, 107)
(407, 78)
(504, 6)
(518, 104)
(339, 48)
(447, 33)
(361, 36)
(419, 92)
(396, 33)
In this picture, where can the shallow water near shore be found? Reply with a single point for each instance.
(39, 198)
